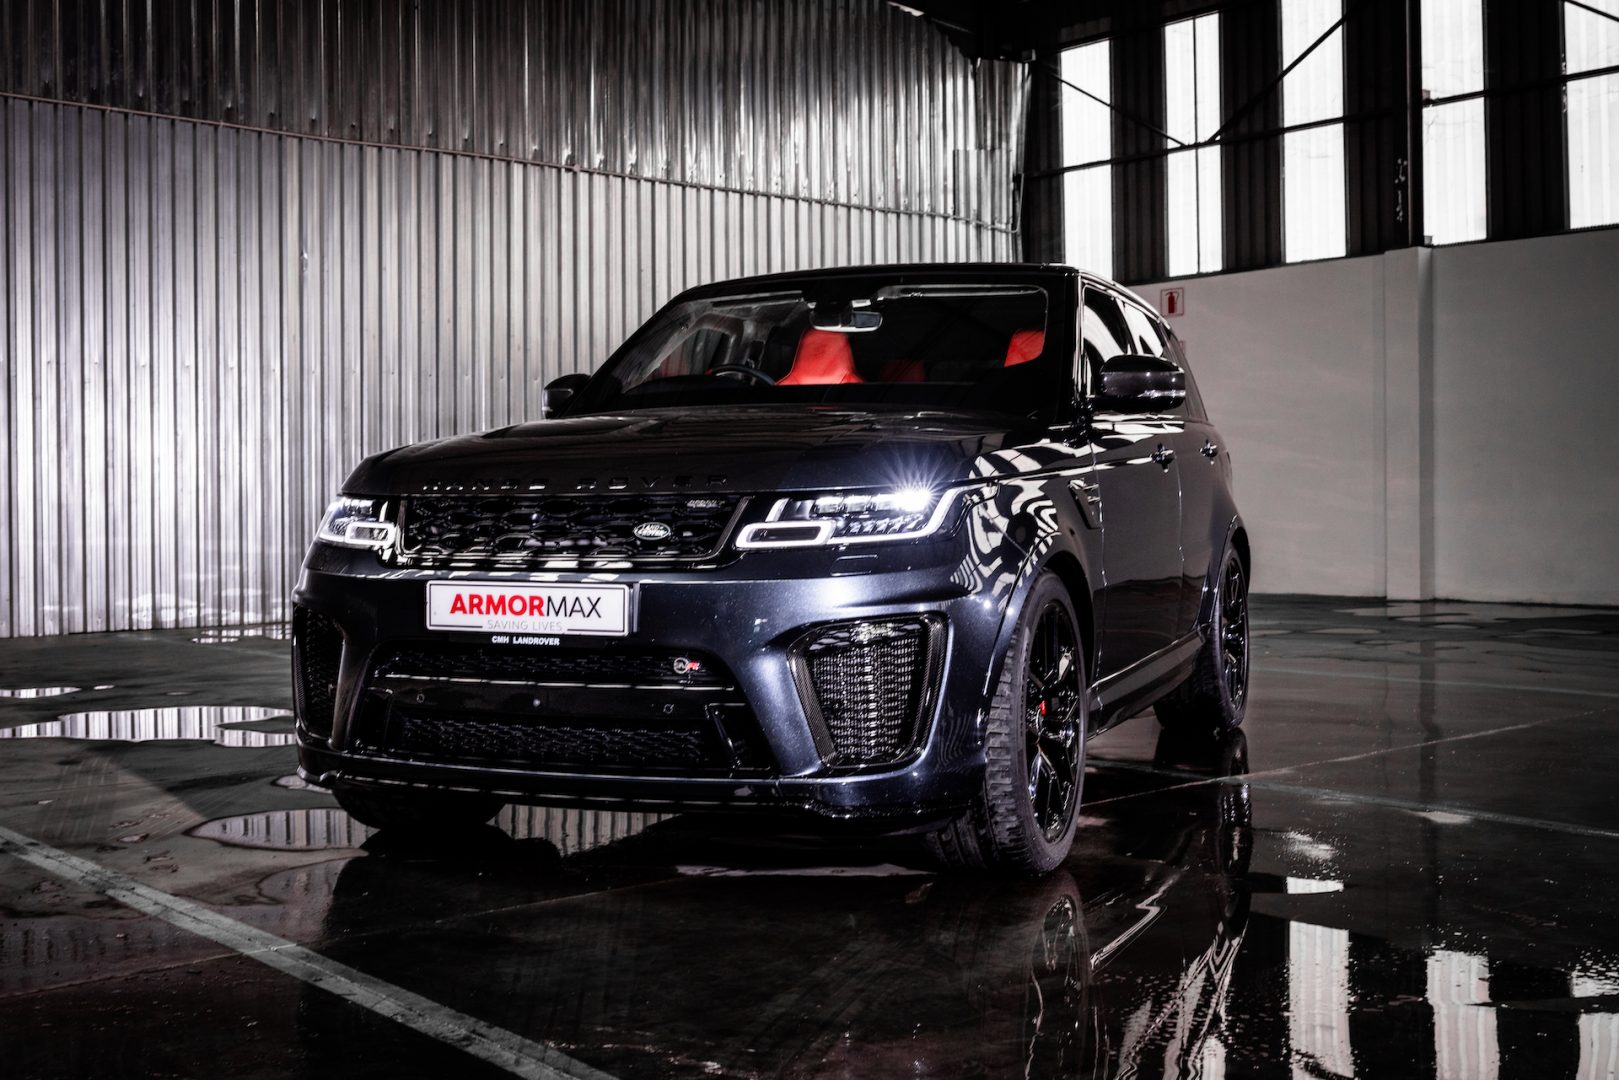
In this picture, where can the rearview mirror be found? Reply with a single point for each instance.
(558, 392)
(1140, 384)
(844, 318)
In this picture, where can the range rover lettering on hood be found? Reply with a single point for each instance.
(587, 483)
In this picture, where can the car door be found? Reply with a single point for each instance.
(1190, 437)
(1139, 478)
(1198, 451)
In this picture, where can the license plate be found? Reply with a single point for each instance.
(492, 607)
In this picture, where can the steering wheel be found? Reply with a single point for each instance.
(742, 369)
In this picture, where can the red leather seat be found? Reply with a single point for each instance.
(1025, 346)
(824, 358)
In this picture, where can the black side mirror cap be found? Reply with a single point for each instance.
(560, 391)
(1141, 384)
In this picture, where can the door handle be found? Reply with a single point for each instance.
(1210, 449)
(1163, 455)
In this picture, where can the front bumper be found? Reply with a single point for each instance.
(748, 614)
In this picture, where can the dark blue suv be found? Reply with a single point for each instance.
(882, 544)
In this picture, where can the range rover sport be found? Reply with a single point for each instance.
(882, 544)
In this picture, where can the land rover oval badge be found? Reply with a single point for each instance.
(653, 530)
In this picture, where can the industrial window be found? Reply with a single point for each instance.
(1453, 191)
(1192, 115)
(1087, 147)
(1590, 53)
(1314, 212)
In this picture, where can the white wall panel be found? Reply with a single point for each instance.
(1422, 423)
(1526, 474)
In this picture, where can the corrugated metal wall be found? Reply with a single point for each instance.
(382, 229)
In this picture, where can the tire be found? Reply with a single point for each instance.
(415, 811)
(1024, 823)
(1214, 696)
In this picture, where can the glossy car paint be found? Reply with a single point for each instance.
(1091, 496)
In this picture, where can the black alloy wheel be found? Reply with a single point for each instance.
(1052, 708)
(1214, 696)
(1027, 812)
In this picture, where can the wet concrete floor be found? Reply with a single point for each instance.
(1405, 866)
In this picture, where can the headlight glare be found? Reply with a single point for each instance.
(357, 523)
(854, 517)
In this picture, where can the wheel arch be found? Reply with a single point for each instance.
(1239, 540)
(1067, 567)
(1236, 537)
(1070, 569)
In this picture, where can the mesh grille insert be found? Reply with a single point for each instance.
(628, 667)
(622, 709)
(870, 682)
(317, 651)
(443, 529)
(512, 741)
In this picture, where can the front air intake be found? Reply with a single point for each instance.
(317, 649)
(868, 686)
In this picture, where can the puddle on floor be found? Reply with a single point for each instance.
(224, 635)
(326, 827)
(204, 723)
(37, 691)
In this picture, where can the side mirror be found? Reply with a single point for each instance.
(1140, 384)
(558, 392)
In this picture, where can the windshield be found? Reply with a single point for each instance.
(974, 348)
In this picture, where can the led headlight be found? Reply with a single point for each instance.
(854, 517)
(357, 523)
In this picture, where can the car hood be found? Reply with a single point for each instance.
(668, 450)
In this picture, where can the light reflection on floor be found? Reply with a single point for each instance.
(225, 635)
(207, 723)
(37, 691)
(321, 828)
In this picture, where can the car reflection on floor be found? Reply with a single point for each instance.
(805, 960)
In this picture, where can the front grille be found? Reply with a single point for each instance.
(636, 667)
(635, 710)
(527, 742)
(317, 649)
(867, 685)
(440, 530)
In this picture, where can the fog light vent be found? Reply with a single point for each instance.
(867, 686)
(317, 649)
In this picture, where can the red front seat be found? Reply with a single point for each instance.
(824, 358)
(1025, 346)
